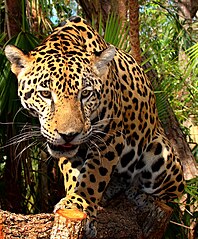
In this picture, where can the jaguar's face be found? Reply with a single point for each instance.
(64, 93)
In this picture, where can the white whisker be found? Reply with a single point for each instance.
(19, 110)
(96, 147)
(22, 151)
(21, 138)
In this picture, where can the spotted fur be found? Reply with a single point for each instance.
(98, 113)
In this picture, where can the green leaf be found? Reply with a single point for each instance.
(115, 32)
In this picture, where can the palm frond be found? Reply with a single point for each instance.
(192, 52)
(115, 32)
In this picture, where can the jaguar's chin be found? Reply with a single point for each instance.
(64, 150)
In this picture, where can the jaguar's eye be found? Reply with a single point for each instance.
(46, 94)
(85, 93)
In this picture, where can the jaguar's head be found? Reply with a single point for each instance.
(63, 91)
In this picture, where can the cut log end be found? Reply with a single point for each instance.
(72, 214)
(68, 223)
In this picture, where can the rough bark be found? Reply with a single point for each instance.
(134, 30)
(177, 139)
(66, 227)
(13, 167)
(119, 220)
(13, 17)
(93, 9)
(122, 10)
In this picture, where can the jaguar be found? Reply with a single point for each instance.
(97, 112)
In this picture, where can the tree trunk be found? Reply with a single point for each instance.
(93, 9)
(187, 9)
(134, 30)
(13, 17)
(12, 171)
(122, 10)
(125, 222)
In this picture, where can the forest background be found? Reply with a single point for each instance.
(161, 35)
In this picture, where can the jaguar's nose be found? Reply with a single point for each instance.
(68, 137)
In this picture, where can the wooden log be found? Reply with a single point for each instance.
(25, 226)
(68, 223)
(118, 220)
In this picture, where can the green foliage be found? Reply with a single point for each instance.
(193, 54)
(8, 85)
(114, 32)
(164, 39)
(117, 33)
(52, 12)
(192, 73)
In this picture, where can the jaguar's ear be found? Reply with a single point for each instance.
(17, 58)
(101, 62)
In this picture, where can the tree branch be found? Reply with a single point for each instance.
(119, 220)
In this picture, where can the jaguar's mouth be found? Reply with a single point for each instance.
(64, 150)
(62, 147)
